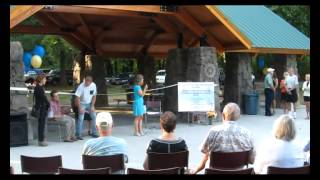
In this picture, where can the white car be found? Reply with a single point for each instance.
(160, 76)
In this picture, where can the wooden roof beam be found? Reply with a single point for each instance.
(169, 27)
(232, 28)
(197, 29)
(20, 13)
(273, 51)
(76, 35)
(27, 29)
(85, 25)
(96, 10)
(46, 22)
(150, 39)
(131, 8)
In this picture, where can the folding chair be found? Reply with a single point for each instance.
(106, 170)
(40, 165)
(175, 170)
(224, 171)
(168, 160)
(115, 162)
(229, 160)
(153, 108)
(296, 170)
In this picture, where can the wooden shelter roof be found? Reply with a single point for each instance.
(128, 30)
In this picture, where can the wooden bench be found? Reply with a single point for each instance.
(119, 100)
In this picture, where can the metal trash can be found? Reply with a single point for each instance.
(251, 103)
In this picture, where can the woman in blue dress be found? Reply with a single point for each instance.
(138, 105)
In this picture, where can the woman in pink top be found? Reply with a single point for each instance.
(58, 114)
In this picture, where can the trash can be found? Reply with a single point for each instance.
(251, 103)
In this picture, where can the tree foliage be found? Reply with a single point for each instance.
(298, 16)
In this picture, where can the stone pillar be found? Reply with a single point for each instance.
(96, 67)
(203, 67)
(193, 65)
(238, 77)
(176, 67)
(146, 67)
(281, 63)
(18, 99)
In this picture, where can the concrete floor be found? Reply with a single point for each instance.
(259, 125)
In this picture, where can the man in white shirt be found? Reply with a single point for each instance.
(292, 85)
(85, 101)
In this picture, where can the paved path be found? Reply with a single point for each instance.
(259, 125)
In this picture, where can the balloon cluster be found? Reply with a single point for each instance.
(33, 60)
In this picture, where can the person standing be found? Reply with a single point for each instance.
(292, 97)
(306, 94)
(276, 84)
(42, 104)
(85, 100)
(138, 107)
(268, 91)
(283, 91)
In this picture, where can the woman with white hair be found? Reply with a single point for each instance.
(281, 150)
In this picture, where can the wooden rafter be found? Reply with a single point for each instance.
(20, 13)
(130, 8)
(46, 22)
(197, 29)
(169, 27)
(137, 41)
(232, 28)
(150, 37)
(85, 25)
(78, 9)
(76, 35)
(27, 29)
(273, 50)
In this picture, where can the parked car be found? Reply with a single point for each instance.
(122, 79)
(160, 76)
(108, 80)
(53, 77)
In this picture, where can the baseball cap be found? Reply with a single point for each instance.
(104, 119)
(270, 69)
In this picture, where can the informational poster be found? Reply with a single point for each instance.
(195, 96)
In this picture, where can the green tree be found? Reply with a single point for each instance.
(298, 16)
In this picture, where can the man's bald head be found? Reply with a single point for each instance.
(231, 112)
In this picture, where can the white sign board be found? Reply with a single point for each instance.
(195, 96)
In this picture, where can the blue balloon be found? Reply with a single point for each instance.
(27, 59)
(39, 50)
(261, 62)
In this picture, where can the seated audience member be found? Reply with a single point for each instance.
(167, 142)
(105, 144)
(227, 137)
(57, 113)
(280, 150)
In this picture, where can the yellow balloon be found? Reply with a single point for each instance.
(36, 61)
(265, 71)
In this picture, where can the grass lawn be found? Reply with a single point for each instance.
(66, 99)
